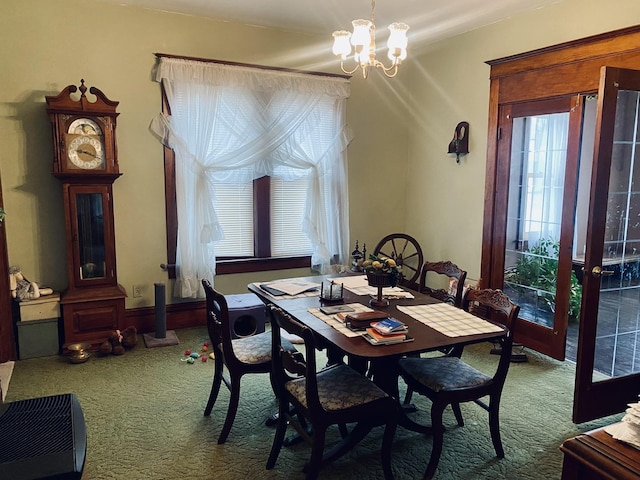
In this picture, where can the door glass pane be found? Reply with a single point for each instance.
(617, 346)
(91, 235)
(538, 161)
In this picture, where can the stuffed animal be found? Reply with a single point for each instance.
(119, 341)
(129, 337)
(22, 289)
(115, 339)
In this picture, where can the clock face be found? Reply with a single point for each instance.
(86, 151)
(84, 126)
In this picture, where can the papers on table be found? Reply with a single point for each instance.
(449, 320)
(336, 322)
(628, 430)
(290, 288)
(359, 285)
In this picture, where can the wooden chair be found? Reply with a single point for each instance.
(240, 356)
(335, 395)
(450, 270)
(449, 380)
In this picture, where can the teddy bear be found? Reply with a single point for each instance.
(119, 341)
(22, 289)
(129, 337)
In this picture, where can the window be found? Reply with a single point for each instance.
(246, 236)
(255, 162)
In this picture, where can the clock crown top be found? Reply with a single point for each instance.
(63, 102)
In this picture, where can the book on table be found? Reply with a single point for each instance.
(389, 325)
(374, 337)
(362, 320)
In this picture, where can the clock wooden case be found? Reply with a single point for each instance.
(85, 161)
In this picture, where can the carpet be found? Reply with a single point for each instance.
(144, 415)
(6, 369)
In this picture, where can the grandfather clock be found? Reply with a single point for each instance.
(85, 160)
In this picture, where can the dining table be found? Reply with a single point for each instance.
(429, 329)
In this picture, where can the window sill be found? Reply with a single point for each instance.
(225, 267)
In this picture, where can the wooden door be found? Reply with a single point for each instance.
(538, 153)
(7, 334)
(610, 321)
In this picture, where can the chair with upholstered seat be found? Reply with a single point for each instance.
(240, 356)
(455, 277)
(335, 395)
(448, 380)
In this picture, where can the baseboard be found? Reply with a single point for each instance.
(179, 315)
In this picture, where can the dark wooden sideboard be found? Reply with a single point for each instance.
(596, 455)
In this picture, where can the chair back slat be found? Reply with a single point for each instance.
(218, 323)
(496, 306)
(450, 270)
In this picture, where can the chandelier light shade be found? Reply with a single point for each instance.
(363, 40)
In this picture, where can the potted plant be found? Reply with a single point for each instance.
(537, 268)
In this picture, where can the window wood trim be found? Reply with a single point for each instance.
(263, 261)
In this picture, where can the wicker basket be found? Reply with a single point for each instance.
(380, 279)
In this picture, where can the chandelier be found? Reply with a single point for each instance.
(363, 39)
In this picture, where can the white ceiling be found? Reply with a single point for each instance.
(429, 20)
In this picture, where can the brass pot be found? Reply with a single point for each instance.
(78, 352)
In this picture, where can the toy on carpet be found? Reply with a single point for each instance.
(22, 289)
(119, 341)
(191, 357)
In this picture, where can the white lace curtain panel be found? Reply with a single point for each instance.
(236, 124)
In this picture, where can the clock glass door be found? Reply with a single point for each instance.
(93, 249)
(91, 235)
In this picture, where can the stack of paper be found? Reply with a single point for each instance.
(628, 430)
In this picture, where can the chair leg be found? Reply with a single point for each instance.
(387, 444)
(215, 387)
(312, 469)
(408, 396)
(278, 439)
(494, 425)
(234, 399)
(458, 413)
(438, 439)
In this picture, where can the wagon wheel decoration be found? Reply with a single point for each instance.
(407, 254)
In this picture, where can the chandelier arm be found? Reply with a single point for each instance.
(348, 72)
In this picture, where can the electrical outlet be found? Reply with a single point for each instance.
(137, 291)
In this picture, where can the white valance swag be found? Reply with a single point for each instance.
(235, 124)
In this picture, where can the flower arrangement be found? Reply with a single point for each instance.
(382, 266)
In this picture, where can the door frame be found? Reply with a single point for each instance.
(567, 69)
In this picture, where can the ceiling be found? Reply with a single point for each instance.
(429, 20)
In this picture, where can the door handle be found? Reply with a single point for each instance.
(597, 271)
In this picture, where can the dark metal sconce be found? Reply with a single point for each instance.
(460, 143)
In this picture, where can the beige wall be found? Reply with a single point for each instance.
(400, 177)
(48, 45)
(450, 84)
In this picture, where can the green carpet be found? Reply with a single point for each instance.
(144, 414)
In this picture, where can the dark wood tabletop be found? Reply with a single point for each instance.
(425, 338)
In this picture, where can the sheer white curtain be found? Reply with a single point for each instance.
(236, 124)
(546, 164)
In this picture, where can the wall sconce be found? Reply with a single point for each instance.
(460, 143)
